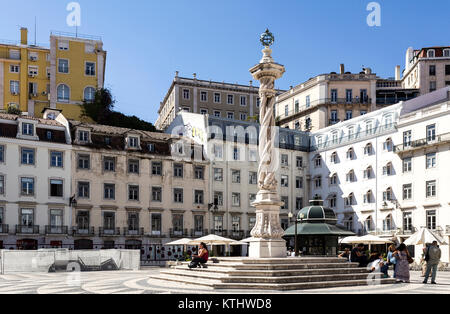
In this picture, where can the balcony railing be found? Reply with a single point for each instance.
(108, 232)
(409, 231)
(198, 233)
(4, 229)
(362, 134)
(430, 141)
(56, 230)
(133, 232)
(84, 232)
(392, 100)
(178, 233)
(156, 234)
(21, 229)
(220, 233)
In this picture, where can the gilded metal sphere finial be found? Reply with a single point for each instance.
(267, 39)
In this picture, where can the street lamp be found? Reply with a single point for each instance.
(291, 215)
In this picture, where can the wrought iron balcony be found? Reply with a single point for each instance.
(4, 229)
(156, 234)
(198, 233)
(333, 121)
(426, 142)
(237, 235)
(133, 232)
(56, 230)
(84, 232)
(178, 233)
(220, 233)
(108, 232)
(21, 229)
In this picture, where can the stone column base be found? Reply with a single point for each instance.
(260, 248)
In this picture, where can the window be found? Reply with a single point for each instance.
(432, 86)
(431, 133)
(109, 221)
(407, 192)
(432, 70)
(217, 114)
(349, 95)
(431, 188)
(84, 162)
(82, 220)
(431, 220)
(63, 93)
(387, 195)
(133, 221)
(156, 194)
(368, 149)
(14, 68)
(27, 129)
(56, 188)
(56, 159)
(285, 181)
(186, 94)
(83, 136)
(368, 173)
(407, 137)
(348, 115)
(2, 185)
(252, 178)
(243, 116)
(109, 164)
(243, 101)
(299, 162)
(334, 179)
(333, 201)
(230, 99)
(251, 199)
(156, 224)
(203, 96)
(298, 203)
(299, 183)
(27, 186)
(218, 198)
(199, 172)
(334, 95)
(369, 128)
(230, 115)
(63, 45)
(318, 161)
(133, 142)
(447, 67)
(217, 98)
(49, 135)
(363, 112)
(368, 225)
(258, 102)
(236, 155)
(308, 101)
(431, 161)
(388, 145)
(251, 222)
(33, 71)
(178, 170)
(351, 176)
(27, 217)
(285, 160)
(178, 195)
(407, 165)
(253, 155)
(133, 193)
(89, 93)
(2, 153)
(83, 189)
(218, 174)
(133, 166)
(236, 176)
(387, 223)
(56, 218)
(109, 192)
(151, 148)
(218, 151)
(27, 156)
(318, 182)
(350, 154)
(63, 66)
(14, 87)
(198, 197)
(407, 222)
(334, 116)
(446, 53)
(285, 200)
(286, 111)
(236, 199)
(351, 133)
(90, 69)
(157, 168)
(430, 54)
(218, 223)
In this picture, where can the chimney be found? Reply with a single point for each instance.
(397, 73)
(195, 76)
(251, 83)
(342, 69)
(24, 36)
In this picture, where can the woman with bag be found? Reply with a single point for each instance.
(403, 259)
(391, 259)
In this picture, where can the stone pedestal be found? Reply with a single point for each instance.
(261, 248)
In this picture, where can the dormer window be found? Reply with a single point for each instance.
(49, 135)
(431, 53)
(27, 129)
(151, 148)
(446, 53)
(133, 142)
(83, 136)
(107, 140)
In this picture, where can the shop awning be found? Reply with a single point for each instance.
(308, 229)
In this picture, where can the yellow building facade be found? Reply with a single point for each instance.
(60, 76)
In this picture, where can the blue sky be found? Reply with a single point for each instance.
(147, 41)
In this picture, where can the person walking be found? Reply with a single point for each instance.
(432, 257)
(403, 260)
(391, 261)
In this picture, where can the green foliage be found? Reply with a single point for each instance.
(14, 110)
(101, 110)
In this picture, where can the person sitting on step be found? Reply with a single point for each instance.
(201, 259)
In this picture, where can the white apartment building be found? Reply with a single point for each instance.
(232, 149)
(364, 172)
(35, 181)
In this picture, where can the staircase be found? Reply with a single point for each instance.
(273, 274)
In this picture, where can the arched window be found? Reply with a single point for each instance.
(334, 179)
(368, 173)
(387, 195)
(368, 224)
(334, 158)
(368, 197)
(368, 149)
(351, 176)
(89, 93)
(351, 154)
(63, 93)
(431, 53)
(387, 223)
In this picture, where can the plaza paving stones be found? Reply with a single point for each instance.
(139, 282)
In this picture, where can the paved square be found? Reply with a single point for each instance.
(138, 282)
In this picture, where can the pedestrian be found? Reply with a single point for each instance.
(358, 256)
(391, 259)
(432, 257)
(423, 262)
(346, 254)
(403, 260)
(379, 265)
(201, 259)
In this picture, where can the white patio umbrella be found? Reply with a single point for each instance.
(368, 239)
(423, 236)
(212, 239)
(182, 242)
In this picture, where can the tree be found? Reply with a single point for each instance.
(14, 110)
(101, 110)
